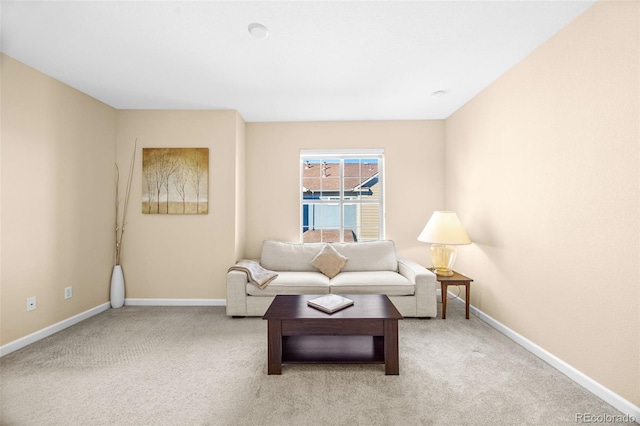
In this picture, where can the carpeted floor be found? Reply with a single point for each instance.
(195, 366)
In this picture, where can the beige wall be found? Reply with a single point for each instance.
(57, 200)
(241, 189)
(414, 154)
(182, 256)
(543, 169)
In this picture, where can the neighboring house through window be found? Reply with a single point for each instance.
(341, 195)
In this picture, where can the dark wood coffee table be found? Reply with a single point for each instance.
(365, 333)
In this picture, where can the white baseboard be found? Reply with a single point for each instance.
(610, 397)
(48, 331)
(175, 302)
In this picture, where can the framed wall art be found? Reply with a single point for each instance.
(175, 180)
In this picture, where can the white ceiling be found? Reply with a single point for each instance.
(323, 60)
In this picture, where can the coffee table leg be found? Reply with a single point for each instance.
(391, 356)
(274, 347)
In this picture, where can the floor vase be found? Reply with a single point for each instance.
(117, 287)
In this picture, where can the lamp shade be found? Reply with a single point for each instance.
(444, 228)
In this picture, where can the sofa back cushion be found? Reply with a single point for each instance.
(280, 256)
(369, 256)
(363, 256)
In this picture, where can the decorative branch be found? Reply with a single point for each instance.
(120, 225)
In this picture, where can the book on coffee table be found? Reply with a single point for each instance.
(330, 303)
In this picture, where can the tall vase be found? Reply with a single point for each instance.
(117, 287)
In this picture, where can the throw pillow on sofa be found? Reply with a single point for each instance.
(329, 261)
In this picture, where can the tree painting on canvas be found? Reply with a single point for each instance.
(175, 180)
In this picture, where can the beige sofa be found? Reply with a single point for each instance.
(370, 268)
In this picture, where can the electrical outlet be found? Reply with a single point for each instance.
(31, 303)
(68, 292)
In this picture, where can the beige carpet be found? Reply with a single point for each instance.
(195, 366)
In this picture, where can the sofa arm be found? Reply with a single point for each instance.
(237, 293)
(425, 282)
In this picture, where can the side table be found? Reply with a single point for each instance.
(457, 279)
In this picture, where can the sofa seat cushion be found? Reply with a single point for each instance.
(293, 283)
(368, 282)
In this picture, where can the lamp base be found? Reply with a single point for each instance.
(443, 272)
(442, 257)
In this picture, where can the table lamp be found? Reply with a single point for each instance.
(444, 231)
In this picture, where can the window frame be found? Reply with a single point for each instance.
(342, 155)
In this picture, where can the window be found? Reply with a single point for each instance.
(341, 195)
